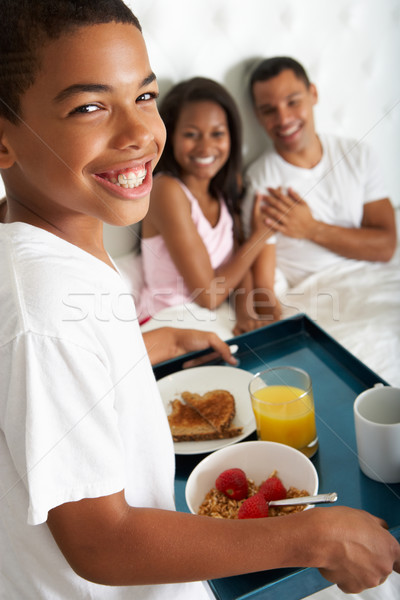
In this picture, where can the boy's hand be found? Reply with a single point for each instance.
(192, 340)
(360, 552)
(168, 342)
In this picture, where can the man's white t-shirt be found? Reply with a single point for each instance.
(80, 412)
(336, 189)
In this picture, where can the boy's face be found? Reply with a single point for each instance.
(90, 133)
(284, 107)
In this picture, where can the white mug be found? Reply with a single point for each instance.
(377, 424)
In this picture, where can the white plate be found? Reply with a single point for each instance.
(200, 380)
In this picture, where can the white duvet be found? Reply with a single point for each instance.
(356, 302)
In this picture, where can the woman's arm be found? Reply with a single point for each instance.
(170, 216)
(3, 209)
(266, 304)
(244, 299)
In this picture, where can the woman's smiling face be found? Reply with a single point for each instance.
(90, 133)
(201, 139)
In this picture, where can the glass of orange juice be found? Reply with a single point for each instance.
(283, 405)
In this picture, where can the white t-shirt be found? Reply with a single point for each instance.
(80, 412)
(336, 189)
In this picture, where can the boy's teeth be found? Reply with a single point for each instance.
(129, 179)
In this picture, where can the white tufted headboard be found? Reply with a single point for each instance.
(350, 48)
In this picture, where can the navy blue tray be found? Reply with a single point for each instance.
(338, 377)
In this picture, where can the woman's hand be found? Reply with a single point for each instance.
(244, 325)
(259, 224)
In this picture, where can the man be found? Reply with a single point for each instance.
(324, 195)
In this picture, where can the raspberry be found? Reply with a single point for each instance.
(233, 483)
(273, 489)
(254, 507)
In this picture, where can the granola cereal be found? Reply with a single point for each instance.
(219, 506)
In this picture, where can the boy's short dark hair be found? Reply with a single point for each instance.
(26, 26)
(271, 67)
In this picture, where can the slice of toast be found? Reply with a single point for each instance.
(217, 407)
(188, 426)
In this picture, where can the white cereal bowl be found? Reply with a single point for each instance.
(258, 460)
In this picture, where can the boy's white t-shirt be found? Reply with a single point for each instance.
(80, 412)
(336, 189)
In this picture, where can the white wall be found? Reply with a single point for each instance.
(350, 48)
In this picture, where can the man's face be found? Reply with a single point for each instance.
(284, 107)
(90, 133)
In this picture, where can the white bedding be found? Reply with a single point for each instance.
(356, 302)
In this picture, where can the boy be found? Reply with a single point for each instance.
(86, 456)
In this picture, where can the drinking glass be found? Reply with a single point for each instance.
(283, 405)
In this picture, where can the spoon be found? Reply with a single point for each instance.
(332, 497)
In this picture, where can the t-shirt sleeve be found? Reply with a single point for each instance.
(375, 186)
(62, 397)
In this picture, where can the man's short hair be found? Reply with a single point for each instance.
(27, 25)
(271, 67)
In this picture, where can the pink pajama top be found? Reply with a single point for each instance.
(163, 284)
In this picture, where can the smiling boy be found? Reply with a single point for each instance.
(83, 128)
(86, 456)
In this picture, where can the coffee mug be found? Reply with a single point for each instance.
(377, 425)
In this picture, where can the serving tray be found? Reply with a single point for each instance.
(338, 377)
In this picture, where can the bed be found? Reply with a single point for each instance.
(356, 302)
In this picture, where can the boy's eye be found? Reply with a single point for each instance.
(147, 96)
(85, 109)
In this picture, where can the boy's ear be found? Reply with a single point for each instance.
(7, 156)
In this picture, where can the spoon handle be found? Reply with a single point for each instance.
(332, 497)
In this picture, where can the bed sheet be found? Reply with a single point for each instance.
(356, 302)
